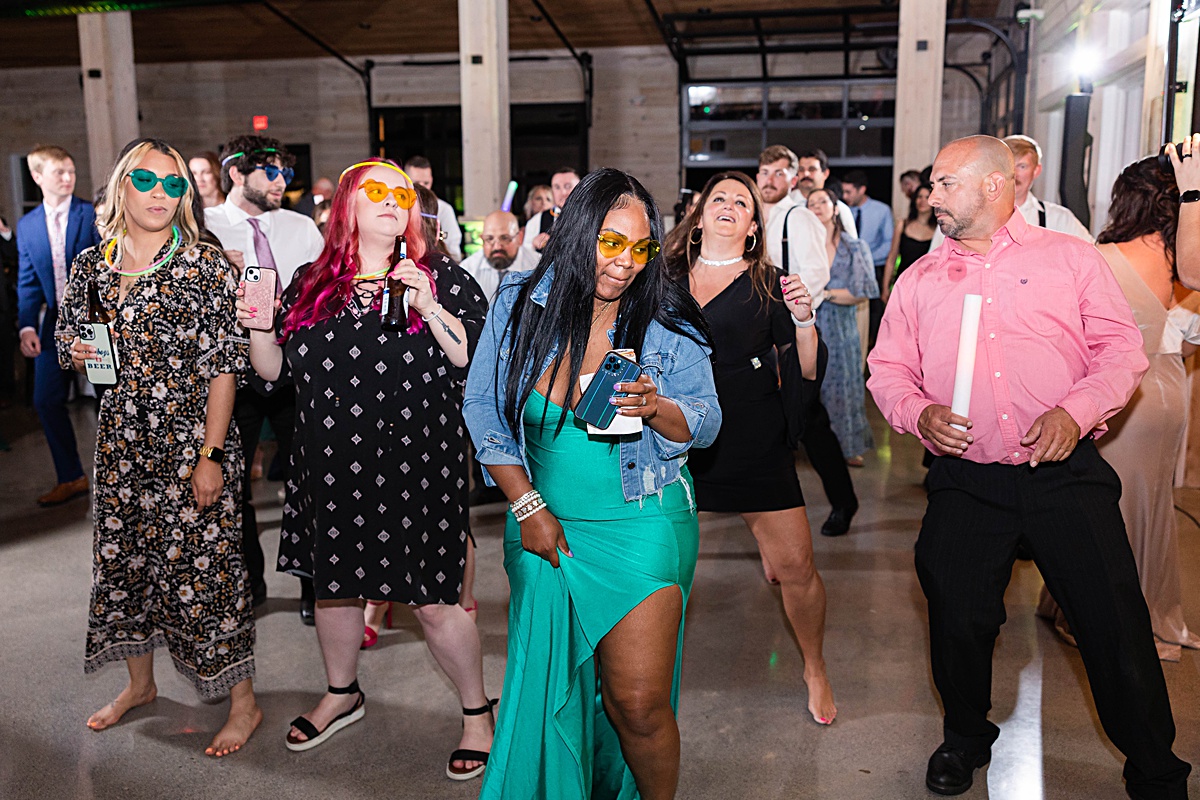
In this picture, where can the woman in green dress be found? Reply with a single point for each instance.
(601, 540)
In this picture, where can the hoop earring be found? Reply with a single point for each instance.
(692, 236)
(750, 249)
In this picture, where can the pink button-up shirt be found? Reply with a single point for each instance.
(1055, 331)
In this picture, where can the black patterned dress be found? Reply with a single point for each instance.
(376, 506)
(164, 573)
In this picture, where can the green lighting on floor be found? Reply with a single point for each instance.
(774, 660)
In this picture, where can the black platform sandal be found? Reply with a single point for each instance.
(316, 737)
(471, 755)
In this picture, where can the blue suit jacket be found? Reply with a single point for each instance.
(35, 272)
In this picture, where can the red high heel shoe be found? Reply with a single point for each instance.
(371, 637)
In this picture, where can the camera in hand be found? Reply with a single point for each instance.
(1164, 160)
(393, 311)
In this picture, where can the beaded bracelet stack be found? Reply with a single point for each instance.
(527, 505)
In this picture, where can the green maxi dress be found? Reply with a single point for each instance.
(553, 739)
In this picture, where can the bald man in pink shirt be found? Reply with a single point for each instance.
(1058, 354)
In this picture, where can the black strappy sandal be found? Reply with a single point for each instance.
(471, 755)
(316, 737)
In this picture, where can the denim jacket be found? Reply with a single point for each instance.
(679, 367)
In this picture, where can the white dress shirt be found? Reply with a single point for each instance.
(806, 245)
(1058, 218)
(532, 228)
(843, 210)
(294, 238)
(488, 277)
(56, 230)
(449, 222)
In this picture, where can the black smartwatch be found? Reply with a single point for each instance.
(213, 453)
(1190, 196)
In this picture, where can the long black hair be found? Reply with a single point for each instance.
(567, 317)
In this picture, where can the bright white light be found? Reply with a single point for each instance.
(701, 95)
(1086, 61)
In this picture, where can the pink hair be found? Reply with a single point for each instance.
(327, 286)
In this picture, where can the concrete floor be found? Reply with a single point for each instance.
(746, 733)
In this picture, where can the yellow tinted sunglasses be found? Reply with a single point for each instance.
(642, 251)
(376, 192)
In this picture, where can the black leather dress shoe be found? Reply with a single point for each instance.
(308, 612)
(839, 521)
(952, 771)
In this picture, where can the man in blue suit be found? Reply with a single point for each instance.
(48, 239)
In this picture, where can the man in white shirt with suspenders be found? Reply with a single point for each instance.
(795, 241)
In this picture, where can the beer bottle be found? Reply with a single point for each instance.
(96, 312)
(393, 310)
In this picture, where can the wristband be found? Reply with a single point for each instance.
(524, 502)
(1190, 196)
(523, 498)
(529, 511)
(437, 310)
(808, 324)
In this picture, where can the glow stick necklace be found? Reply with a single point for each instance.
(108, 253)
(374, 276)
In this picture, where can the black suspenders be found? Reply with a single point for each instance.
(785, 239)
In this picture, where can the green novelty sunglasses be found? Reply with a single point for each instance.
(144, 180)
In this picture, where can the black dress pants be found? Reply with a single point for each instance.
(825, 454)
(250, 410)
(1067, 515)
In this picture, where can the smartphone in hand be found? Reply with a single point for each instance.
(99, 335)
(260, 294)
(594, 407)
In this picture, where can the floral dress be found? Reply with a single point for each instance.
(843, 393)
(164, 573)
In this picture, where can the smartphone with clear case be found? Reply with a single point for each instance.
(99, 335)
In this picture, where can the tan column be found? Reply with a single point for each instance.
(483, 59)
(109, 87)
(918, 90)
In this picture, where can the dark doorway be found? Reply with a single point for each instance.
(545, 136)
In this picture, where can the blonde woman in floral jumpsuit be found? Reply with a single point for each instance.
(167, 567)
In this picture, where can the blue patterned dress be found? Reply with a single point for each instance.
(842, 393)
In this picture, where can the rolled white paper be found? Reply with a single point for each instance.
(964, 373)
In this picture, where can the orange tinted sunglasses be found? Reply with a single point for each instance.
(376, 192)
(642, 251)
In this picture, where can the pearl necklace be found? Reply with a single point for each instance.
(108, 253)
(708, 262)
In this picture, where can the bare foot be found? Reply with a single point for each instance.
(243, 720)
(128, 698)
(477, 735)
(820, 698)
